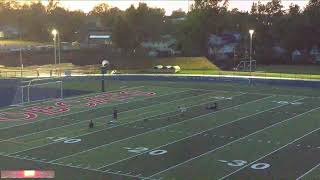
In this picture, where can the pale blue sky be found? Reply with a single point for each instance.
(168, 5)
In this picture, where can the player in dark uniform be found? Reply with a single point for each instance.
(91, 124)
(215, 107)
(212, 107)
(115, 115)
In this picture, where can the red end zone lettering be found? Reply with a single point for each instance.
(49, 110)
(61, 107)
(119, 96)
(17, 116)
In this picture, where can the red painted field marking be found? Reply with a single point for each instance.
(60, 107)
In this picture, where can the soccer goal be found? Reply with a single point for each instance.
(245, 65)
(38, 90)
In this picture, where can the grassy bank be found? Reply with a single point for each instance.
(189, 65)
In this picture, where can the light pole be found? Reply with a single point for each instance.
(54, 33)
(251, 31)
(20, 56)
(59, 53)
(104, 66)
(59, 49)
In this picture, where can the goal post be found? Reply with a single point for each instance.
(245, 65)
(38, 90)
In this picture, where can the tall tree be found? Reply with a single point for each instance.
(204, 4)
(107, 14)
(178, 13)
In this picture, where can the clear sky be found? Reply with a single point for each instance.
(168, 5)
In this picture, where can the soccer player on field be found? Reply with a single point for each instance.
(215, 107)
(91, 124)
(115, 115)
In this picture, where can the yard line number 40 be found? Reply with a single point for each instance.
(287, 102)
(65, 140)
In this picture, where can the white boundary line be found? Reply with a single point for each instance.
(88, 110)
(291, 142)
(158, 130)
(256, 132)
(124, 124)
(198, 133)
(109, 115)
(306, 173)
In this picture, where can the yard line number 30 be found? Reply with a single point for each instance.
(239, 163)
(144, 149)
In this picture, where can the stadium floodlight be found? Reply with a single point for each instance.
(105, 63)
(54, 32)
(251, 31)
(104, 66)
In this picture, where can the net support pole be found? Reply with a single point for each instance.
(28, 94)
(103, 72)
(61, 90)
(22, 95)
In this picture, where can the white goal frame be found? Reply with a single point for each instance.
(32, 83)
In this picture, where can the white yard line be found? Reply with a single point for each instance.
(124, 124)
(87, 110)
(101, 117)
(308, 172)
(105, 145)
(295, 140)
(201, 132)
(256, 132)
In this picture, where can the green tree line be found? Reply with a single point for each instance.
(293, 28)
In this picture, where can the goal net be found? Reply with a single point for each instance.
(245, 65)
(38, 90)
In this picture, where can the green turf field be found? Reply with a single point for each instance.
(257, 132)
